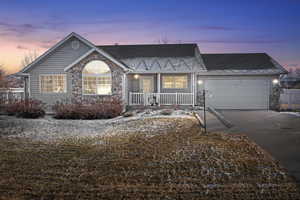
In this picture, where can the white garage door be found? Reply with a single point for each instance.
(238, 94)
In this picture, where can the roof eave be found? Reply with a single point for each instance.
(73, 34)
(125, 68)
(242, 72)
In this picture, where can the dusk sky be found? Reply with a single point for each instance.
(271, 26)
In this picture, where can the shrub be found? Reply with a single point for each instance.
(26, 108)
(128, 114)
(105, 109)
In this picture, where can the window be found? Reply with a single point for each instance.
(176, 82)
(53, 83)
(96, 77)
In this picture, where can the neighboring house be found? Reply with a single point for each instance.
(157, 74)
(14, 81)
(290, 81)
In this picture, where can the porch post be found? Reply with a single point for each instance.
(158, 88)
(124, 89)
(193, 88)
(26, 87)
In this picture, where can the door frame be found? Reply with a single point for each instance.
(141, 83)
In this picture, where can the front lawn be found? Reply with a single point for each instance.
(179, 163)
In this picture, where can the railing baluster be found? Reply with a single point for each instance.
(161, 98)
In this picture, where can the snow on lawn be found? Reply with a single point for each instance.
(291, 113)
(180, 163)
(50, 129)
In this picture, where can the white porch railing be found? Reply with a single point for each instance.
(161, 98)
(10, 94)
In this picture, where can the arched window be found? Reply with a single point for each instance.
(96, 77)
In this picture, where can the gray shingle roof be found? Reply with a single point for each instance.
(150, 50)
(238, 61)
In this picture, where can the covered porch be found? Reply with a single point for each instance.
(155, 89)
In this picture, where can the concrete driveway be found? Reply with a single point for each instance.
(277, 133)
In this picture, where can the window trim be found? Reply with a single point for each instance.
(174, 88)
(96, 76)
(65, 83)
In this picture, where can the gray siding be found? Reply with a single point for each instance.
(55, 64)
(134, 84)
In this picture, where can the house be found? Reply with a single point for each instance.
(290, 81)
(155, 74)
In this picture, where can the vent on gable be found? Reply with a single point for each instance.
(75, 44)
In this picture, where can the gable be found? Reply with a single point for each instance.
(66, 56)
(61, 56)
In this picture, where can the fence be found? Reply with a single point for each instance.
(290, 99)
(11, 94)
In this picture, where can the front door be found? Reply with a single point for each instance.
(147, 88)
(147, 83)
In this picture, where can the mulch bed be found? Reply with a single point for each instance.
(178, 164)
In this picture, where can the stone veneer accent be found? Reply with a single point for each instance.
(274, 97)
(76, 74)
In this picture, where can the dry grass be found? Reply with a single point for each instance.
(179, 164)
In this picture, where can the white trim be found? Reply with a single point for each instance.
(124, 88)
(278, 66)
(40, 83)
(265, 72)
(21, 74)
(146, 77)
(140, 98)
(187, 81)
(100, 52)
(96, 76)
(29, 83)
(125, 68)
(158, 87)
(63, 41)
(165, 72)
(193, 87)
(79, 59)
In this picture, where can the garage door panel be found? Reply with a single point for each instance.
(238, 94)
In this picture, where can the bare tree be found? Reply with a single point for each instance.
(297, 71)
(3, 80)
(29, 58)
(163, 40)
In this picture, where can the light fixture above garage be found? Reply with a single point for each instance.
(275, 81)
(200, 82)
(136, 76)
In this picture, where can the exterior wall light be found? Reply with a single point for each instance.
(136, 76)
(200, 82)
(275, 81)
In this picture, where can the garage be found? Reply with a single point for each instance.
(238, 93)
(240, 81)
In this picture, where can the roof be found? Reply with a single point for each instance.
(25, 69)
(150, 50)
(164, 64)
(238, 61)
(157, 58)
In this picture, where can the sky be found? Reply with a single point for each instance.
(229, 26)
